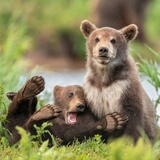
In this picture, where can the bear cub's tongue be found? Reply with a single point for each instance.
(72, 118)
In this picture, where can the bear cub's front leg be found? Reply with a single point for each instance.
(112, 122)
(46, 113)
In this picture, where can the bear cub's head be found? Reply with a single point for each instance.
(106, 44)
(71, 100)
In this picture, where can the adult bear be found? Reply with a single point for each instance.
(75, 121)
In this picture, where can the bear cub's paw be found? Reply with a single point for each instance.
(113, 121)
(33, 87)
(47, 112)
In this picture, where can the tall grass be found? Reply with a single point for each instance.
(121, 149)
(14, 44)
(150, 68)
(12, 48)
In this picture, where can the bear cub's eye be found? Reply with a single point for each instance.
(113, 41)
(70, 95)
(97, 40)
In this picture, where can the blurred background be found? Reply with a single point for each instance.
(42, 37)
(50, 29)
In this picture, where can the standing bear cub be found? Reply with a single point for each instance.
(112, 82)
(68, 115)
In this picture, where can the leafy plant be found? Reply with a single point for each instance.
(41, 131)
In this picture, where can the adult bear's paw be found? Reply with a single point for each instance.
(112, 122)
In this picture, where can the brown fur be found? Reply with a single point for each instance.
(70, 100)
(112, 82)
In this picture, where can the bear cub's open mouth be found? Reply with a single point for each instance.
(71, 117)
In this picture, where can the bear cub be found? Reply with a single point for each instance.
(112, 82)
(69, 116)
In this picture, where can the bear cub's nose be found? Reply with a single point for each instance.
(103, 50)
(80, 107)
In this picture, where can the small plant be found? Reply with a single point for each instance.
(41, 131)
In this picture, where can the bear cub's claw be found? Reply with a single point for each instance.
(47, 112)
(33, 87)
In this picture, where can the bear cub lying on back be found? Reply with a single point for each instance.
(69, 116)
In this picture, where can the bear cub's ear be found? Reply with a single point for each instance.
(87, 28)
(130, 32)
(57, 89)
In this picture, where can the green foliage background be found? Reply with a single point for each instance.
(50, 18)
(20, 23)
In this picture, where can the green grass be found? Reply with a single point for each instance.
(121, 149)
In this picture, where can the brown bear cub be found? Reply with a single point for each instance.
(76, 121)
(112, 82)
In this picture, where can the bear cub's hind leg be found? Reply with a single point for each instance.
(24, 101)
(33, 87)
